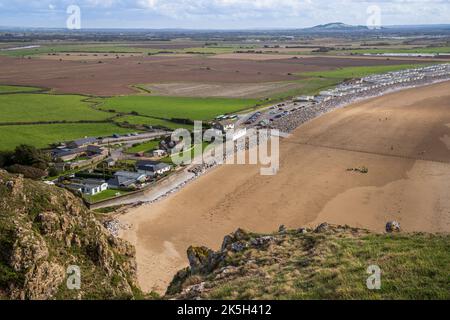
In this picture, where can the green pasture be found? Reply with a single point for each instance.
(177, 107)
(41, 136)
(47, 107)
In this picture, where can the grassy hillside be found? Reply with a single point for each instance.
(177, 107)
(43, 231)
(328, 263)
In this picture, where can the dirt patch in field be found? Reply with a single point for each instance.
(255, 56)
(226, 90)
(86, 56)
(106, 77)
(398, 137)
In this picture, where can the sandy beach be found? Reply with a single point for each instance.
(402, 138)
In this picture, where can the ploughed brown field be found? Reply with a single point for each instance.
(107, 76)
(402, 138)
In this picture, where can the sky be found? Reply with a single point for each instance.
(220, 14)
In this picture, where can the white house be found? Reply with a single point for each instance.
(93, 187)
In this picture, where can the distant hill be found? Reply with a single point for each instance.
(330, 262)
(336, 27)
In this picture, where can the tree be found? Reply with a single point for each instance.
(5, 158)
(30, 156)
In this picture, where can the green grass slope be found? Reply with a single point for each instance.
(328, 263)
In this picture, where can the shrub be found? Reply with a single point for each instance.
(28, 171)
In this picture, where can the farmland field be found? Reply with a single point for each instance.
(359, 72)
(431, 50)
(116, 48)
(46, 107)
(177, 107)
(223, 90)
(117, 76)
(137, 120)
(42, 136)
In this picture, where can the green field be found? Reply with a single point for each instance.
(16, 89)
(405, 50)
(144, 147)
(46, 107)
(177, 107)
(42, 136)
(94, 48)
(137, 120)
(109, 48)
(358, 72)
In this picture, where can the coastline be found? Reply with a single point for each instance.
(313, 185)
(152, 196)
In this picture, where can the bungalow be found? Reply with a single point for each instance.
(152, 168)
(65, 154)
(93, 186)
(127, 179)
(89, 186)
(80, 143)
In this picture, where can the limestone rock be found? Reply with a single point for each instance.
(324, 227)
(202, 259)
(262, 242)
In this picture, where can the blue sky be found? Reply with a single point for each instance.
(219, 14)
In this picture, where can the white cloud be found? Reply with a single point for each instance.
(236, 13)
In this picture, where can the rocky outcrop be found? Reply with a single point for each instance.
(43, 231)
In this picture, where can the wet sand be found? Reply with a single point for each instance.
(402, 138)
